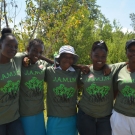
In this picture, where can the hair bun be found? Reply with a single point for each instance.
(6, 30)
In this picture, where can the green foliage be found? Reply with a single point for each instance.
(116, 46)
(75, 22)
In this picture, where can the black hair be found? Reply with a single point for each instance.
(5, 33)
(99, 44)
(127, 47)
(35, 42)
(6, 30)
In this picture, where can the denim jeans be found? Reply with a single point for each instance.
(12, 128)
(88, 125)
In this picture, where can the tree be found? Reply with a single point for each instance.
(64, 22)
(7, 12)
(132, 17)
(75, 22)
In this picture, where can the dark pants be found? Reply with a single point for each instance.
(12, 128)
(88, 125)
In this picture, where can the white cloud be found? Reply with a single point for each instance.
(127, 30)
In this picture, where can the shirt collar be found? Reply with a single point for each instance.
(69, 69)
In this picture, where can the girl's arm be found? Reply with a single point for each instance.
(83, 68)
(46, 59)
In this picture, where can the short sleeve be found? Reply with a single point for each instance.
(117, 67)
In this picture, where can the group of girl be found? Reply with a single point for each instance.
(22, 91)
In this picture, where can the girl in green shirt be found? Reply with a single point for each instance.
(10, 76)
(95, 106)
(123, 117)
(31, 104)
(62, 93)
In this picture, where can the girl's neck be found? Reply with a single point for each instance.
(97, 69)
(3, 59)
(131, 67)
(64, 68)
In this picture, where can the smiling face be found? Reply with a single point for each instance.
(66, 60)
(130, 52)
(98, 57)
(8, 47)
(34, 52)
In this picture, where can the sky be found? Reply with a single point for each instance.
(112, 9)
(118, 10)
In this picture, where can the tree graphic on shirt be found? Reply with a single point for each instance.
(63, 93)
(97, 93)
(129, 95)
(11, 88)
(35, 86)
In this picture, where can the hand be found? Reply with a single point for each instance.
(106, 70)
(85, 69)
(26, 62)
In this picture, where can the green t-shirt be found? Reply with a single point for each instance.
(10, 76)
(31, 88)
(61, 92)
(125, 100)
(97, 97)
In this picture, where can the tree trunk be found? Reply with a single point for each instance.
(5, 14)
(38, 16)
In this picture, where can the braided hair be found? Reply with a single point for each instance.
(35, 42)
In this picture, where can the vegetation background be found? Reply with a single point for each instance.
(75, 22)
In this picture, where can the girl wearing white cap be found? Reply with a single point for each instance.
(62, 93)
(30, 99)
(123, 117)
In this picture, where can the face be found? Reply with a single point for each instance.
(131, 53)
(98, 58)
(66, 60)
(9, 47)
(34, 52)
